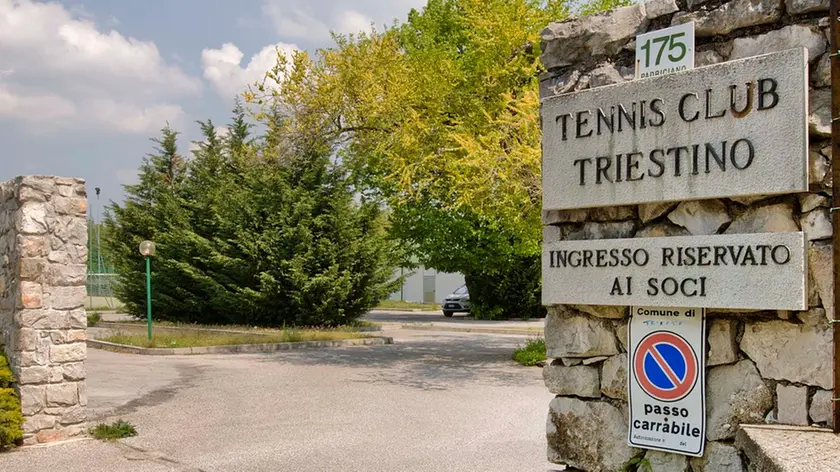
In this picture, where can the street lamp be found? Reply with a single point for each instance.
(147, 249)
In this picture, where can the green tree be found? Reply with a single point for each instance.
(153, 210)
(439, 117)
(253, 230)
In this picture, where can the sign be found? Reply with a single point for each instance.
(667, 381)
(733, 129)
(665, 51)
(765, 271)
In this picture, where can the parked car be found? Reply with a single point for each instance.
(457, 302)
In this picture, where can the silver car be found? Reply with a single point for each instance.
(457, 301)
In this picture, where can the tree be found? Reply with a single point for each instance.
(438, 116)
(153, 210)
(251, 233)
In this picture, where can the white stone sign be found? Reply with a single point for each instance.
(667, 382)
(765, 271)
(665, 51)
(732, 129)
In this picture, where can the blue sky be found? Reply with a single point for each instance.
(84, 84)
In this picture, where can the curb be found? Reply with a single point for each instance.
(117, 324)
(236, 348)
(514, 331)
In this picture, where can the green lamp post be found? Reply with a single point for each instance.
(147, 249)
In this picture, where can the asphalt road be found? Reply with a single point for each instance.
(432, 402)
(437, 318)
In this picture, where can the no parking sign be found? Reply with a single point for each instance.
(667, 380)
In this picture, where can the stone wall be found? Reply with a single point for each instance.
(762, 367)
(43, 253)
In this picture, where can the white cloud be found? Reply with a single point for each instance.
(222, 67)
(312, 20)
(62, 72)
(352, 21)
(35, 107)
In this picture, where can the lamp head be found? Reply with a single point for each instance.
(147, 248)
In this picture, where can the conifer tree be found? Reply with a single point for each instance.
(153, 210)
(251, 233)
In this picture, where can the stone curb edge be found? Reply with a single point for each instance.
(237, 348)
(520, 332)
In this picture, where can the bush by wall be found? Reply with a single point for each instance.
(11, 418)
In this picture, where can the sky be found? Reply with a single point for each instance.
(85, 84)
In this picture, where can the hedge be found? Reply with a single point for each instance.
(11, 418)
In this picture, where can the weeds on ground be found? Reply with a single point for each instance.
(94, 318)
(531, 353)
(111, 432)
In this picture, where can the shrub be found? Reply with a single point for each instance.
(11, 418)
(93, 318)
(110, 432)
(530, 354)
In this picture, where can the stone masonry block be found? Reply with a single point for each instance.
(579, 380)
(67, 414)
(31, 269)
(27, 339)
(66, 274)
(39, 375)
(33, 424)
(31, 294)
(565, 43)
(77, 318)
(73, 371)
(64, 298)
(75, 352)
(70, 206)
(33, 398)
(33, 246)
(787, 351)
(34, 358)
(66, 393)
(32, 218)
(793, 404)
(568, 334)
(722, 346)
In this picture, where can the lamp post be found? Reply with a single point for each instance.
(147, 249)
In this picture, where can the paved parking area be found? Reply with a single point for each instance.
(431, 402)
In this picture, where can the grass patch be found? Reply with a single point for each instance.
(93, 318)
(112, 432)
(531, 353)
(400, 305)
(196, 338)
(350, 327)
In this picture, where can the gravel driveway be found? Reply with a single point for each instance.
(432, 402)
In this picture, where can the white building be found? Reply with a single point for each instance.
(426, 285)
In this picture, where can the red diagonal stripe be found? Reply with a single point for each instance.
(664, 366)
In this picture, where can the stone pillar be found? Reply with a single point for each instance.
(43, 252)
(763, 366)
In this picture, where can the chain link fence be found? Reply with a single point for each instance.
(101, 285)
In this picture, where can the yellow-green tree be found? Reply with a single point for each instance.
(439, 116)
